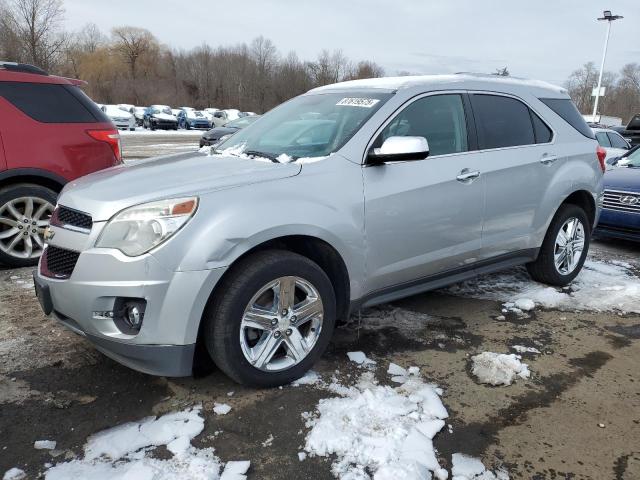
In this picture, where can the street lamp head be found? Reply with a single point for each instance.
(608, 16)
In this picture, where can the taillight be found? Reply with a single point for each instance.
(110, 136)
(602, 155)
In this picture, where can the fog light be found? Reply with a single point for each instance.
(129, 314)
(134, 316)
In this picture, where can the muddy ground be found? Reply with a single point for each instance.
(577, 417)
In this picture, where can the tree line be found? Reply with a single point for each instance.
(130, 65)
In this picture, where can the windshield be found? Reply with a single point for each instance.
(308, 126)
(161, 109)
(241, 122)
(632, 160)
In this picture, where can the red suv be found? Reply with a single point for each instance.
(50, 134)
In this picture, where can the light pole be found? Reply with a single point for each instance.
(608, 17)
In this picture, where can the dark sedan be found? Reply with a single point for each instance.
(214, 135)
(620, 215)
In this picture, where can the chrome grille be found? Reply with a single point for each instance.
(58, 262)
(621, 201)
(67, 217)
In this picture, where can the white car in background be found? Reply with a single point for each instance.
(120, 118)
(127, 107)
(614, 143)
(222, 117)
(138, 114)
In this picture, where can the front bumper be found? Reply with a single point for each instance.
(175, 302)
(619, 224)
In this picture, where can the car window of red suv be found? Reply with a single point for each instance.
(52, 103)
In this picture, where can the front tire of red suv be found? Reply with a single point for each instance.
(25, 210)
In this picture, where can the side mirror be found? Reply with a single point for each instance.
(399, 149)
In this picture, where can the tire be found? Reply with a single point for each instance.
(13, 207)
(226, 312)
(544, 268)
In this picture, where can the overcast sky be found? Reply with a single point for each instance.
(538, 39)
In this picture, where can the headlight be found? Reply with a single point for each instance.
(138, 229)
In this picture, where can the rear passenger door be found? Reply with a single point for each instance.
(518, 160)
(424, 217)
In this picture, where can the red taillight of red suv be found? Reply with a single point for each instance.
(602, 155)
(110, 136)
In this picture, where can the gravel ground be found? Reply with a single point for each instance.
(576, 417)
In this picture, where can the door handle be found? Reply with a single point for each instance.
(548, 159)
(467, 175)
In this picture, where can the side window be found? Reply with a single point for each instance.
(438, 118)
(502, 121)
(617, 141)
(542, 131)
(603, 140)
(52, 103)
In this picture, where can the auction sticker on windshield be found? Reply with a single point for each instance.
(358, 102)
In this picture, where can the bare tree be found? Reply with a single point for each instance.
(133, 44)
(37, 27)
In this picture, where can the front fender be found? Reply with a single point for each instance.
(324, 201)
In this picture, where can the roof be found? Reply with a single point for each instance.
(430, 81)
(23, 72)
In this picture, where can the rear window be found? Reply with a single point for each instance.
(52, 103)
(568, 111)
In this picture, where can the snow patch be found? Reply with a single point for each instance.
(235, 470)
(360, 358)
(221, 408)
(470, 468)
(498, 368)
(601, 286)
(44, 444)
(311, 377)
(14, 474)
(122, 452)
(523, 349)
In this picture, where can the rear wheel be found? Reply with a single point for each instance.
(271, 319)
(25, 211)
(564, 249)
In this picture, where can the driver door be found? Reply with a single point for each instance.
(425, 217)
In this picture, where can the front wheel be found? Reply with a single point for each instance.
(271, 319)
(564, 249)
(25, 211)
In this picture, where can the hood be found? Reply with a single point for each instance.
(104, 193)
(218, 132)
(163, 116)
(622, 178)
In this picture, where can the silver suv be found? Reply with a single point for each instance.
(348, 196)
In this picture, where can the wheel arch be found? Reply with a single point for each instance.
(33, 176)
(584, 200)
(313, 248)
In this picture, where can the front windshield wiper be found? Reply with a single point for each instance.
(256, 153)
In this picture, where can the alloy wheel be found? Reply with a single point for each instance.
(22, 224)
(569, 246)
(281, 324)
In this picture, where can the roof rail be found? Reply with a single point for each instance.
(22, 68)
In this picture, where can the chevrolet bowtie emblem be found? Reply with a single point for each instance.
(48, 234)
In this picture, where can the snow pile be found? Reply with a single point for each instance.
(14, 474)
(360, 358)
(498, 368)
(470, 468)
(401, 375)
(122, 452)
(379, 429)
(601, 286)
